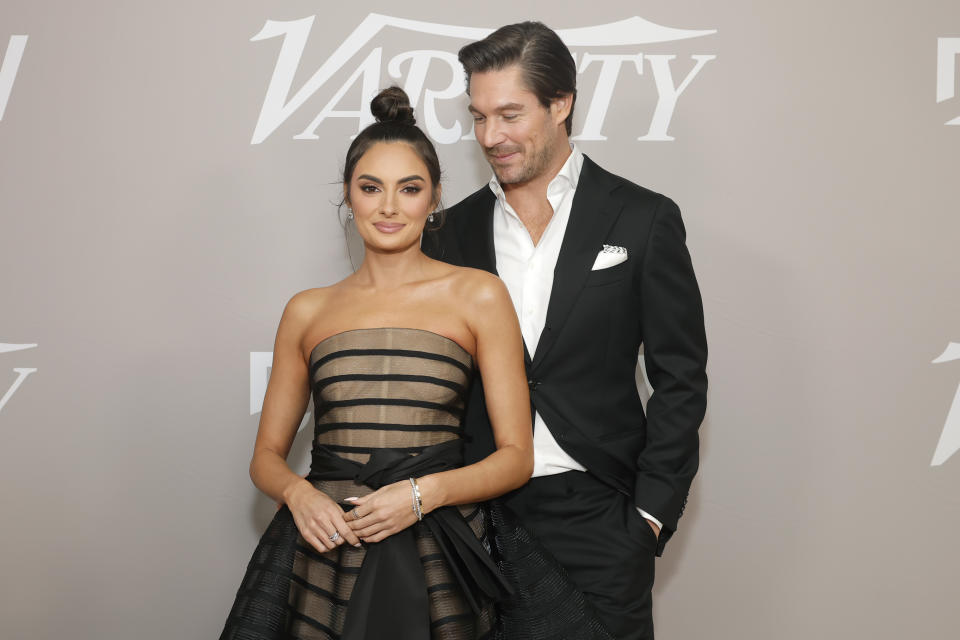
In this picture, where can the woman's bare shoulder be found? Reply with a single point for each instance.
(304, 305)
(468, 275)
(477, 286)
(480, 278)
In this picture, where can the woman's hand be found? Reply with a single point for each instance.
(319, 518)
(386, 511)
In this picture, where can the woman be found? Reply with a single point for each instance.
(383, 539)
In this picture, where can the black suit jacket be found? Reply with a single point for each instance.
(582, 376)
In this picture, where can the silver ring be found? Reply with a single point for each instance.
(335, 536)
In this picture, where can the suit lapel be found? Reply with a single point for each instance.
(476, 233)
(592, 214)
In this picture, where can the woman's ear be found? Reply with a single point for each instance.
(346, 195)
(437, 193)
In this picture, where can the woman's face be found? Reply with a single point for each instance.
(391, 196)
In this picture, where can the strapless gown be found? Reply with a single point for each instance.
(389, 404)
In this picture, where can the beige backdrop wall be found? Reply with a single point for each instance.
(151, 234)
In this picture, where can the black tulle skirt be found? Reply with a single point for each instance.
(544, 604)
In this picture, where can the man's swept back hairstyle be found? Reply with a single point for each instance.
(546, 63)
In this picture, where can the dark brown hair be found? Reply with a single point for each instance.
(395, 123)
(548, 68)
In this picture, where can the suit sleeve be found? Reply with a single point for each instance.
(675, 356)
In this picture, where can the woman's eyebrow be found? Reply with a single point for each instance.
(367, 176)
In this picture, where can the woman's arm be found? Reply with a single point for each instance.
(288, 391)
(500, 361)
(493, 321)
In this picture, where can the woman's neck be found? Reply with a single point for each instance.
(382, 270)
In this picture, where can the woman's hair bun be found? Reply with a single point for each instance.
(392, 105)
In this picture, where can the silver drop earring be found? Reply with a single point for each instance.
(349, 214)
(430, 218)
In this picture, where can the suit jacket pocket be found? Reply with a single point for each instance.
(606, 276)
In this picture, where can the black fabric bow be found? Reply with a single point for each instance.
(389, 598)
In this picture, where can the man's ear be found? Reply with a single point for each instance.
(560, 107)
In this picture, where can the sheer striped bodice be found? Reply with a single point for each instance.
(396, 388)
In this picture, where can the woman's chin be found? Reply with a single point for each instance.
(390, 245)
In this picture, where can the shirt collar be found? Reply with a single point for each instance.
(567, 178)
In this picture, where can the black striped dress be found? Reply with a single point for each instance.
(386, 388)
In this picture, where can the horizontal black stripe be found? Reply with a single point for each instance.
(402, 353)
(341, 602)
(391, 402)
(323, 427)
(313, 554)
(389, 377)
(447, 619)
(345, 449)
(316, 624)
(442, 586)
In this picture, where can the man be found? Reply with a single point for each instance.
(596, 266)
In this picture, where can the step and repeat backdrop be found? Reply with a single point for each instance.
(168, 179)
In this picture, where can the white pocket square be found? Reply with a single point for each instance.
(609, 256)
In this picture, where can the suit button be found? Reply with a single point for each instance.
(533, 384)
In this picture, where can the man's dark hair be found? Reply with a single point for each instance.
(546, 63)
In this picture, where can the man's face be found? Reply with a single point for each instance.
(519, 136)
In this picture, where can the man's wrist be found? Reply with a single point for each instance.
(655, 524)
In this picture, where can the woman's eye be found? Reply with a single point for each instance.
(411, 189)
(368, 188)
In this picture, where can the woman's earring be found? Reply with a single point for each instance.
(349, 214)
(430, 218)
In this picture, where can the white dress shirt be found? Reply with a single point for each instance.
(527, 270)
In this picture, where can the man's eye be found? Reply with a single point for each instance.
(478, 119)
(510, 117)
